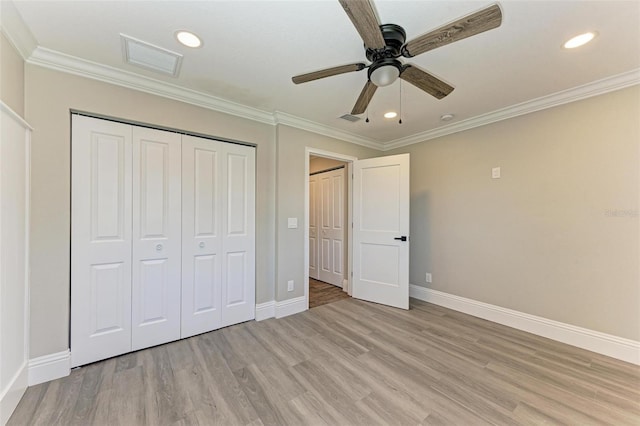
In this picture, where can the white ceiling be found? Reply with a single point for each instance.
(253, 48)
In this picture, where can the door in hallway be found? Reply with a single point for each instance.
(331, 227)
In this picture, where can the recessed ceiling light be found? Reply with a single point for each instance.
(580, 40)
(188, 39)
(447, 117)
(390, 114)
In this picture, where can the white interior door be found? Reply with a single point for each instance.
(238, 233)
(156, 267)
(381, 230)
(331, 232)
(201, 235)
(313, 227)
(101, 176)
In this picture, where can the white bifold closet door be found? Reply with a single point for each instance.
(157, 246)
(218, 235)
(313, 227)
(162, 237)
(331, 230)
(101, 226)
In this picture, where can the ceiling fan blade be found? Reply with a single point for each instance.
(425, 81)
(364, 18)
(365, 97)
(476, 23)
(303, 78)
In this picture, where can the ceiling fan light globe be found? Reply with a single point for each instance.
(385, 75)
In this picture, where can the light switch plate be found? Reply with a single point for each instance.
(292, 222)
(495, 173)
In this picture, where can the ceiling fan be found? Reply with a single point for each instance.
(385, 43)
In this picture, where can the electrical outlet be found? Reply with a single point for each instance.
(290, 285)
(428, 277)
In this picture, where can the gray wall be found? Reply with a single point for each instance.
(319, 164)
(11, 76)
(557, 236)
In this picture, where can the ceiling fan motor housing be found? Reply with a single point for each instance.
(394, 38)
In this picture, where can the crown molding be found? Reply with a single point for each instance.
(311, 126)
(598, 87)
(15, 29)
(70, 64)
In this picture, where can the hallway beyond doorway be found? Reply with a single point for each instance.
(321, 293)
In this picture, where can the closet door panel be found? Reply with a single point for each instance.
(156, 237)
(238, 234)
(332, 231)
(325, 213)
(201, 242)
(313, 228)
(101, 179)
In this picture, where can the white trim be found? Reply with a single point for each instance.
(265, 310)
(290, 307)
(11, 395)
(595, 341)
(61, 62)
(273, 309)
(585, 91)
(311, 126)
(49, 367)
(14, 115)
(70, 64)
(15, 30)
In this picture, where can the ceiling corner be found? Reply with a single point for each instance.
(15, 29)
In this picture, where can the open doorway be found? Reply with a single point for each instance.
(328, 210)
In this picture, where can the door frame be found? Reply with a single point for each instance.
(310, 151)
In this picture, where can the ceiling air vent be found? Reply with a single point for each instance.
(349, 117)
(142, 54)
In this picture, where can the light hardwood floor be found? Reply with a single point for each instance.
(349, 362)
(321, 293)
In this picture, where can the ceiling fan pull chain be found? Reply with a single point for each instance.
(400, 120)
(367, 120)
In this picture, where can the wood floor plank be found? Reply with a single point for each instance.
(321, 293)
(346, 363)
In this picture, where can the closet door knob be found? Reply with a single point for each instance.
(201, 245)
(158, 247)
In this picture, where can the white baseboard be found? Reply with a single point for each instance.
(12, 393)
(273, 309)
(265, 310)
(49, 367)
(595, 341)
(291, 306)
